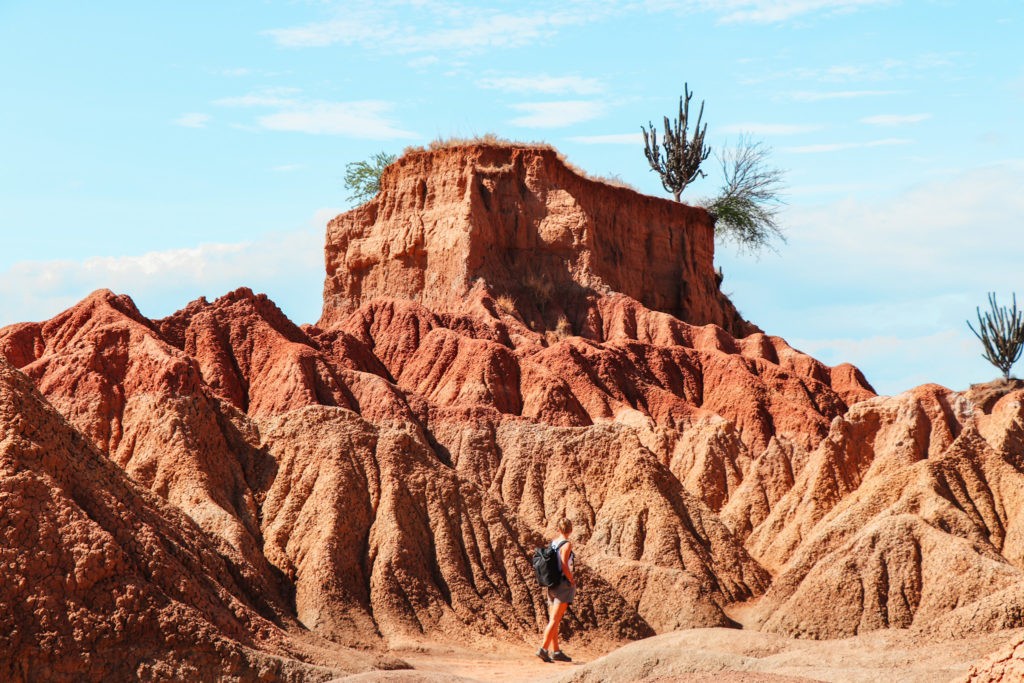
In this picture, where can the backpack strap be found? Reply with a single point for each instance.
(559, 546)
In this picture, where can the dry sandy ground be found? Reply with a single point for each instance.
(712, 655)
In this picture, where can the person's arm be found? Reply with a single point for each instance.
(565, 550)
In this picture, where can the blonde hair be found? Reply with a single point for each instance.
(564, 525)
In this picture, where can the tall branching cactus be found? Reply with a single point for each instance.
(683, 156)
(1001, 333)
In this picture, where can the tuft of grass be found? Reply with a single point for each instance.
(614, 179)
(562, 331)
(487, 139)
(540, 287)
(506, 304)
(563, 328)
(494, 140)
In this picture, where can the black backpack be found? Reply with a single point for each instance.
(545, 562)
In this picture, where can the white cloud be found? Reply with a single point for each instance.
(360, 119)
(429, 27)
(192, 120)
(366, 119)
(255, 100)
(805, 96)
(904, 270)
(287, 266)
(544, 84)
(613, 139)
(775, 11)
(556, 114)
(236, 72)
(843, 146)
(959, 232)
(769, 128)
(895, 119)
(423, 62)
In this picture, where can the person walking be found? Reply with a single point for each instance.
(560, 596)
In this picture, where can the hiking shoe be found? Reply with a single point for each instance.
(543, 654)
(559, 656)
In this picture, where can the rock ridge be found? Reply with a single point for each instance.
(526, 225)
(492, 355)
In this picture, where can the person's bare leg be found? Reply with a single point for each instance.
(551, 616)
(551, 632)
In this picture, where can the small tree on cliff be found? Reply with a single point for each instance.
(1001, 331)
(683, 155)
(746, 208)
(363, 177)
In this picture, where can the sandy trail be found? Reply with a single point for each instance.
(713, 655)
(495, 662)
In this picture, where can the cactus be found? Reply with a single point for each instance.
(683, 157)
(1002, 334)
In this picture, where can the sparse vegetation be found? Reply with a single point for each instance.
(540, 288)
(562, 331)
(563, 328)
(614, 179)
(363, 177)
(683, 155)
(1001, 331)
(493, 140)
(489, 139)
(506, 304)
(746, 209)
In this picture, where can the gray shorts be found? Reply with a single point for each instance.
(563, 592)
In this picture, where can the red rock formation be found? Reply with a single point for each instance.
(103, 581)
(144, 403)
(529, 226)
(505, 342)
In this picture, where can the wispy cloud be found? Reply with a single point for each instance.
(842, 146)
(807, 96)
(887, 283)
(368, 119)
(888, 69)
(286, 265)
(430, 27)
(612, 139)
(895, 119)
(544, 83)
(952, 226)
(769, 128)
(263, 98)
(776, 11)
(556, 114)
(424, 61)
(192, 120)
(445, 26)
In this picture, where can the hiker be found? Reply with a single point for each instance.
(560, 595)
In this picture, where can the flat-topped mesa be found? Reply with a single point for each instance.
(529, 226)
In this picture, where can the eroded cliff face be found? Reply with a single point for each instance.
(526, 225)
(382, 477)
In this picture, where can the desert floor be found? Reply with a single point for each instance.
(711, 655)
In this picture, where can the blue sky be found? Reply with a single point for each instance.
(173, 150)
